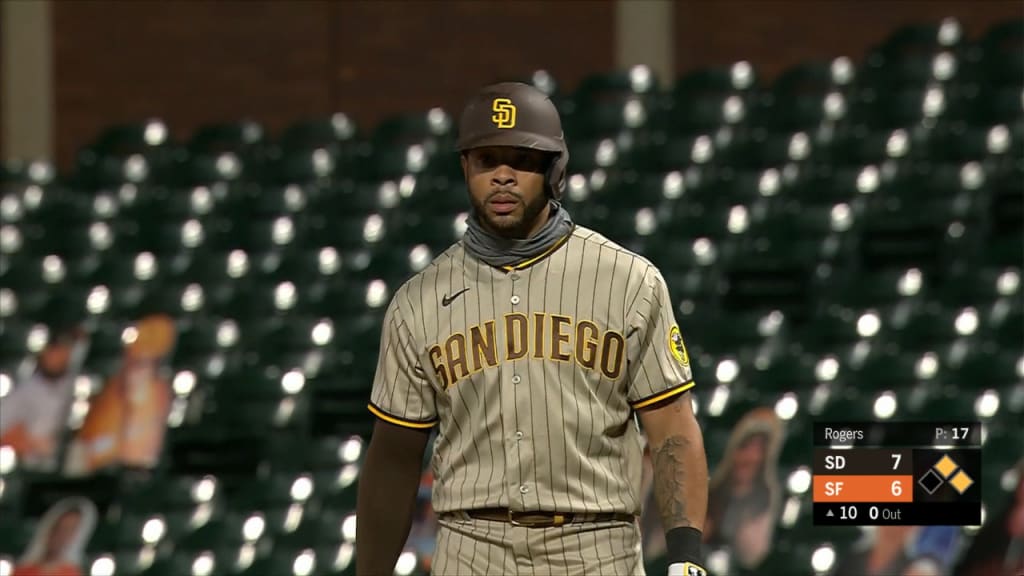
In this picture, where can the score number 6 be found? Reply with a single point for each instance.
(897, 485)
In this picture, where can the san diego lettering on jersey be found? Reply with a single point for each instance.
(517, 336)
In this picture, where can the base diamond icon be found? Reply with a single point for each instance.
(961, 481)
(930, 481)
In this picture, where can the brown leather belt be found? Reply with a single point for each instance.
(544, 519)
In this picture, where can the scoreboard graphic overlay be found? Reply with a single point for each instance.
(897, 473)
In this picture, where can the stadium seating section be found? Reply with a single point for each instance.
(844, 241)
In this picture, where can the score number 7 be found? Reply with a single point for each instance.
(897, 486)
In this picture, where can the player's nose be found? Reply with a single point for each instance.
(503, 176)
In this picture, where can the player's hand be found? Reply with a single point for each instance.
(686, 569)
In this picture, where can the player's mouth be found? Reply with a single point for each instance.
(502, 203)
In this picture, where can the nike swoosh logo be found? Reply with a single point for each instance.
(446, 300)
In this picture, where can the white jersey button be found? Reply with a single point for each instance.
(515, 300)
(519, 435)
(514, 276)
(524, 489)
(516, 379)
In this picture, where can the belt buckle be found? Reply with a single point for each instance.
(512, 518)
(555, 521)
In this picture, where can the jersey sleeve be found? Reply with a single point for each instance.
(659, 366)
(401, 393)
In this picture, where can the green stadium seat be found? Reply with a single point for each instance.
(437, 196)
(925, 234)
(637, 80)
(128, 153)
(202, 336)
(886, 368)
(906, 55)
(990, 104)
(15, 535)
(209, 447)
(237, 137)
(692, 288)
(770, 276)
(609, 118)
(204, 562)
(836, 329)
(433, 129)
(302, 266)
(151, 204)
(932, 327)
(1006, 214)
(437, 232)
(397, 161)
(164, 238)
(707, 98)
(262, 493)
(226, 167)
(14, 486)
(946, 404)
(1003, 323)
(860, 146)
(347, 233)
(888, 287)
(833, 226)
(286, 343)
(224, 531)
(827, 187)
(982, 369)
(806, 96)
(362, 199)
(922, 37)
(589, 155)
(930, 66)
(961, 143)
(333, 132)
(760, 150)
(997, 55)
(888, 108)
(772, 376)
(253, 235)
(16, 174)
(846, 404)
(307, 166)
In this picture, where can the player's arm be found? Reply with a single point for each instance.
(680, 472)
(387, 496)
(659, 391)
(403, 401)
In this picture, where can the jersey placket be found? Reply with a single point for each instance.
(515, 403)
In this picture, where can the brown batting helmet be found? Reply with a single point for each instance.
(516, 114)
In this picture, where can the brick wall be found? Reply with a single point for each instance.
(194, 62)
(396, 56)
(187, 62)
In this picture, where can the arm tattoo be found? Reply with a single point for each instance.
(669, 489)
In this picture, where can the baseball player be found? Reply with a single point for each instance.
(529, 346)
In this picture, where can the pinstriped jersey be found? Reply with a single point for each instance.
(531, 374)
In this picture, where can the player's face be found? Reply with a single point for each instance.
(506, 186)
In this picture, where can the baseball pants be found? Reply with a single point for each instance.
(472, 547)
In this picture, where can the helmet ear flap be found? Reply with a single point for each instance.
(556, 173)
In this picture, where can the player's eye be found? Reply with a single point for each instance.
(487, 160)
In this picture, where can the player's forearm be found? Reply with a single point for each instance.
(681, 475)
(386, 502)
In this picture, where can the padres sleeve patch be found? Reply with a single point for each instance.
(677, 347)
